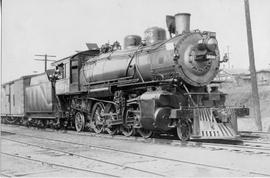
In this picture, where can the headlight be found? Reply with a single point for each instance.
(211, 44)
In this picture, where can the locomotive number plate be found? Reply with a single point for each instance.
(210, 56)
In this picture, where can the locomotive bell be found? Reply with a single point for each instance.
(182, 23)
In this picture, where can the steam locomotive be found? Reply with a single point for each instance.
(155, 85)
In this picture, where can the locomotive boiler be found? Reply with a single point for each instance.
(192, 57)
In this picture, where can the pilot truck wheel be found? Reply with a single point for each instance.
(184, 130)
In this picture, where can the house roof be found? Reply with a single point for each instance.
(236, 71)
(264, 71)
(241, 71)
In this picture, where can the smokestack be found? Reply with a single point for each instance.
(182, 22)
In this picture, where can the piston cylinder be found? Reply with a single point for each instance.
(182, 23)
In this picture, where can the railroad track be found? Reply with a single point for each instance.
(55, 165)
(74, 154)
(240, 146)
(134, 153)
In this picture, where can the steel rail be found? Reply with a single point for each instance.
(86, 157)
(58, 165)
(233, 146)
(255, 142)
(152, 156)
(255, 133)
(3, 174)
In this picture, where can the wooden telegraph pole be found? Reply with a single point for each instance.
(45, 59)
(255, 93)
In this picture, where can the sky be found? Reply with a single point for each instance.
(61, 27)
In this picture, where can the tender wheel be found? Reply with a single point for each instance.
(79, 122)
(42, 123)
(145, 133)
(183, 130)
(11, 120)
(110, 108)
(97, 117)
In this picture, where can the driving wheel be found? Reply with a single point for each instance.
(97, 117)
(110, 109)
(128, 129)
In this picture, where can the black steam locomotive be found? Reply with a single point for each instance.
(155, 85)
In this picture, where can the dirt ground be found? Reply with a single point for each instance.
(241, 95)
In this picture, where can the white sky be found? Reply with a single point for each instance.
(59, 27)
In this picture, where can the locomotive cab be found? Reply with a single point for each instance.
(68, 79)
(61, 76)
